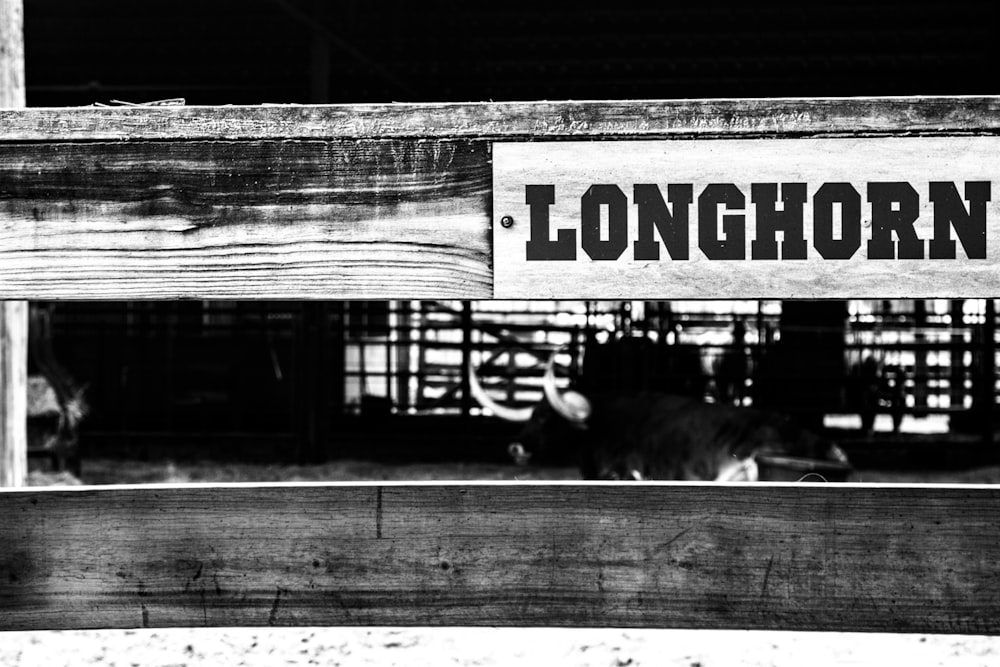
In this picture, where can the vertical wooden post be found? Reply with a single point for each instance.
(11, 54)
(13, 393)
(13, 314)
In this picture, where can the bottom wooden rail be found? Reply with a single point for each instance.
(769, 556)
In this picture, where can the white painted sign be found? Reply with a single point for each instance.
(885, 217)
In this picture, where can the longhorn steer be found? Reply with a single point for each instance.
(652, 435)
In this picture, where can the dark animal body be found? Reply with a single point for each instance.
(660, 436)
(651, 435)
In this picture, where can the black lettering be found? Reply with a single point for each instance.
(850, 220)
(769, 220)
(671, 226)
(733, 226)
(885, 221)
(949, 211)
(590, 222)
(539, 246)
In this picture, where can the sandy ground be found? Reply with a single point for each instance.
(488, 646)
(470, 646)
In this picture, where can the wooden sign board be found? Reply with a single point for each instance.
(886, 217)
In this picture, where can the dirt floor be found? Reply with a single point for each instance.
(113, 471)
(467, 646)
(488, 646)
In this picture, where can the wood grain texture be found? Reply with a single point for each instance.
(571, 167)
(619, 118)
(13, 393)
(12, 90)
(13, 314)
(794, 557)
(296, 219)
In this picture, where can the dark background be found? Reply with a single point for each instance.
(306, 51)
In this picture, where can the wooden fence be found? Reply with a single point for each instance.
(381, 202)
(777, 556)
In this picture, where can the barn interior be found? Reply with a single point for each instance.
(900, 383)
(896, 383)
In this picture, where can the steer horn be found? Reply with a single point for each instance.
(501, 411)
(570, 405)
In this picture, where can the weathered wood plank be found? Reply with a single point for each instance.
(794, 557)
(13, 393)
(722, 250)
(13, 314)
(625, 118)
(335, 219)
(12, 90)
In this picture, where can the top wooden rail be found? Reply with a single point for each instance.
(570, 119)
(402, 201)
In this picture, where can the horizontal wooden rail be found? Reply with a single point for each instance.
(353, 202)
(245, 220)
(505, 120)
(673, 555)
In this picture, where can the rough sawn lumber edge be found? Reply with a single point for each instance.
(923, 558)
(539, 120)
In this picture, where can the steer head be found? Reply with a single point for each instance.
(551, 429)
